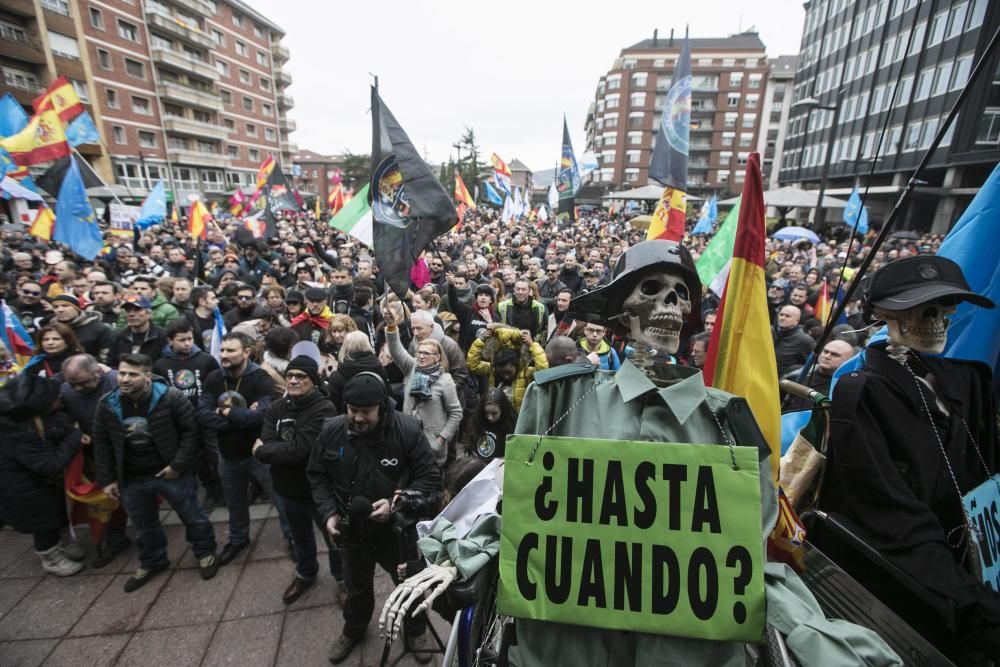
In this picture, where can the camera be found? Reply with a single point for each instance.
(412, 506)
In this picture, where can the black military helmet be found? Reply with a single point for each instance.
(605, 303)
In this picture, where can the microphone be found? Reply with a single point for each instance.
(360, 506)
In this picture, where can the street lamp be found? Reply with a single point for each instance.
(811, 103)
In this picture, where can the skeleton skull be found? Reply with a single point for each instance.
(923, 328)
(657, 308)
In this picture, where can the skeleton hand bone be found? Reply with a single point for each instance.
(433, 580)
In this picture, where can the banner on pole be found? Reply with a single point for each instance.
(647, 537)
(123, 218)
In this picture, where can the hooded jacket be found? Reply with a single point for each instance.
(291, 427)
(604, 351)
(241, 428)
(93, 334)
(525, 371)
(348, 368)
(164, 313)
(171, 423)
(186, 374)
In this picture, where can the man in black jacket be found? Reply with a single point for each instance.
(94, 335)
(291, 426)
(145, 444)
(141, 336)
(232, 406)
(372, 454)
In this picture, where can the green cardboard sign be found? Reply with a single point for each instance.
(642, 536)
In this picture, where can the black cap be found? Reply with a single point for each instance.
(315, 294)
(365, 390)
(910, 282)
(293, 296)
(306, 365)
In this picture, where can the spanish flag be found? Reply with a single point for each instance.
(500, 166)
(198, 219)
(60, 97)
(462, 195)
(822, 310)
(43, 139)
(264, 171)
(318, 211)
(335, 199)
(43, 224)
(669, 216)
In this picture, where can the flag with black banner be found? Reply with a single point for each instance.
(410, 207)
(275, 198)
(669, 162)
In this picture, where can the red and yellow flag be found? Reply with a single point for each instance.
(173, 215)
(264, 170)
(500, 166)
(60, 97)
(42, 139)
(462, 195)
(198, 219)
(740, 357)
(669, 216)
(43, 224)
(822, 310)
(335, 199)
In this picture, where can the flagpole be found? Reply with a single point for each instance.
(98, 176)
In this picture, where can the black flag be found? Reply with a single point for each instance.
(275, 198)
(410, 207)
(52, 179)
(669, 162)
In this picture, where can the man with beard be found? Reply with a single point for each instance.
(140, 336)
(246, 307)
(377, 454)
(104, 302)
(252, 264)
(162, 312)
(342, 292)
(94, 335)
(291, 425)
(232, 406)
(145, 444)
(550, 286)
(522, 311)
(181, 299)
(29, 306)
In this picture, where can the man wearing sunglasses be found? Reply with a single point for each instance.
(246, 307)
(29, 306)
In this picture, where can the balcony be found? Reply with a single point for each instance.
(291, 148)
(287, 125)
(697, 165)
(703, 109)
(283, 78)
(17, 45)
(701, 146)
(285, 101)
(196, 7)
(189, 157)
(161, 22)
(702, 128)
(188, 96)
(21, 7)
(194, 128)
(183, 63)
(280, 52)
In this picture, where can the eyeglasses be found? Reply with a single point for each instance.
(295, 375)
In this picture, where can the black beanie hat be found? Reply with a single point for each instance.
(365, 390)
(305, 364)
(67, 298)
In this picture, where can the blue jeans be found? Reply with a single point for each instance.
(235, 476)
(139, 499)
(302, 514)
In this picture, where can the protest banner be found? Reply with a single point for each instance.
(649, 537)
(982, 505)
(123, 218)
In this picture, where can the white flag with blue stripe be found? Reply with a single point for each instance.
(215, 349)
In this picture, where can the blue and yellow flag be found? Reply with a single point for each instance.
(76, 224)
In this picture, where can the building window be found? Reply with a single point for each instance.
(722, 176)
(960, 74)
(752, 100)
(20, 79)
(728, 138)
(141, 105)
(943, 78)
(135, 69)
(244, 77)
(924, 84)
(614, 82)
(241, 49)
(227, 97)
(128, 31)
(729, 62)
(57, 6)
(111, 98)
(704, 62)
(912, 137)
(265, 84)
(635, 138)
(147, 139)
(222, 67)
(631, 175)
(237, 20)
(251, 130)
(270, 134)
(736, 80)
(64, 46)
(637, 99)
(248, 103)
(749, 119)
(119, 133)
(730, 119)
(633, 157)
(611, 121)
(630, 63)
(233, 152)
(218, 37)
(725, 157)
(751, 63)
(253, 154)
(639, 80)
(96, 18)
(81, 90)
(267, 109)
(229, 124)
(756, 79)
(938, 27)
(733, 100)
(746, 139)
(262, 59)
(103, 59)
(611, 101)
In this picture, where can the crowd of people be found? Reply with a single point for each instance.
(322, 376)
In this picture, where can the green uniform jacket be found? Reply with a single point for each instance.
(164, 313)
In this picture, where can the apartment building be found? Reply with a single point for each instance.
(899, 64)
(729, 76)
(190, 92)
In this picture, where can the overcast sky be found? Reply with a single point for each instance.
(509, 70)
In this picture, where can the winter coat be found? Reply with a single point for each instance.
(457, 366)
(604, 351)
(348, 368)
(241, 428)
(441, 414)
(291, 427)
(83, 407)
(31, 467)
(93, 334)
(164, 313)
(152, 343)
(525, 372)
(186, 374)
(470, 319)
(172, 424)
(530, 316)
(791, 348)
(344, 464)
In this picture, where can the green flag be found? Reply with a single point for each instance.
(720, 248)
(356, 217)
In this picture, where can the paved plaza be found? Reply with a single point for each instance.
(177, 620)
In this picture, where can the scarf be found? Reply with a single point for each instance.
(423, 378)
(322, 320)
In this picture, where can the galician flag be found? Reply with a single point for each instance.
(355, 218)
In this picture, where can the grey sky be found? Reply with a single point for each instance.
(508, 70)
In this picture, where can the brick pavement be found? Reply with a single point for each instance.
(176, 620)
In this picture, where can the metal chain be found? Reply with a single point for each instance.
(944, 454)
(725, 436)
(531, 457)
(979, 452)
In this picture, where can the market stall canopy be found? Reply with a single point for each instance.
(645, 193)
(790, 197)
(641, 221)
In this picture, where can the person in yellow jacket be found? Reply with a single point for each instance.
(508, 369)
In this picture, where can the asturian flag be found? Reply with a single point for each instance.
(218, 332)
(14, 336)
(492, 196)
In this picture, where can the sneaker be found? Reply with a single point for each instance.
(422, 648)
(73, 550)
(208, 566)
(342, 647)
(143, 575)
(54, 561)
